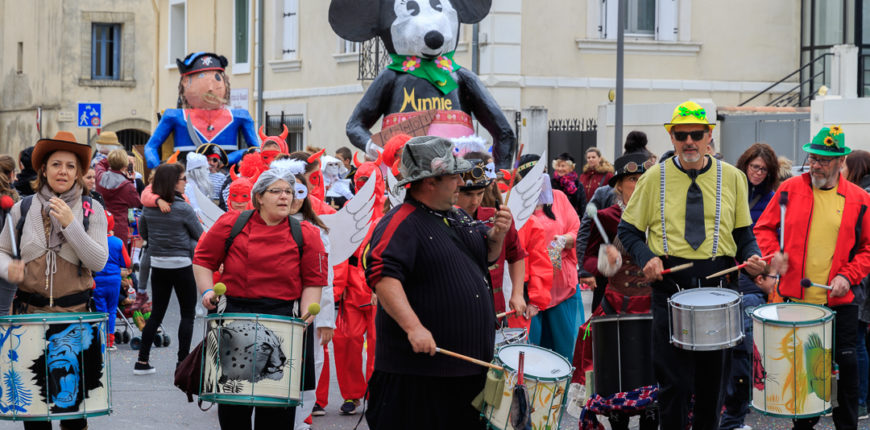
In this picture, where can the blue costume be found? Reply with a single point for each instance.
(108, 282)
(225, 135)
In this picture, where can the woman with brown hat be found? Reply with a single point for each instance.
(58, 254)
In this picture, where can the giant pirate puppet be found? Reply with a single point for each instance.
(423, 81)
(204, 117)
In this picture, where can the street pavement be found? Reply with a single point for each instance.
(153, 402)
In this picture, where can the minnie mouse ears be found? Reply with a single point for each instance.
(361, 20)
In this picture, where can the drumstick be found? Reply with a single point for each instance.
(313, 309)
(504, 314)
(219, 289)
(677, 268)
(736, 268)
(469, 359)
(592, 212)
(514, 174)
(806, 283)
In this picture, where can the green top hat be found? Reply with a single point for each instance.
(829, 142)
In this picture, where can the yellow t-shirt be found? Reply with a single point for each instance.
(644, 209)
(824, 227)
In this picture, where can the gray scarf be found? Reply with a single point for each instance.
(55, 237)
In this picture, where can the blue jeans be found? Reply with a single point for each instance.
(556, 328)
(739, 381)
(863, 362)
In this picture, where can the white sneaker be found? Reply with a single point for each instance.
(745, 427)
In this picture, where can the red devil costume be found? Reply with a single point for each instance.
(356, 315)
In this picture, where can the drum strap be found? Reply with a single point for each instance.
(718, 206)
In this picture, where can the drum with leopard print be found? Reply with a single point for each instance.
(252, 359)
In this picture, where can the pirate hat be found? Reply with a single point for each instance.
(200, 62)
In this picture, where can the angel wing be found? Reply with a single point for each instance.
(349, 226)
(207, 211)
(395, 199)
(524, 196)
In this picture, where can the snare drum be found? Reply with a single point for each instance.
(705, 319)
(252, 359)
(54, 367)
(510, 336)
(791, 365)
(547, 376)
(622, 352)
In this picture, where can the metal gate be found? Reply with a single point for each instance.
(784, 132)
(573, 136)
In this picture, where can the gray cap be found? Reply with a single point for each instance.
(427, 157)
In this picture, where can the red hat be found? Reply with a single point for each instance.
(391, 149)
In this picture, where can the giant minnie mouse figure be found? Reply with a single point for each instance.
(421, 37)
(203, 92)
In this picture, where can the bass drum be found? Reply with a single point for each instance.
(622, 352)
(54, 366)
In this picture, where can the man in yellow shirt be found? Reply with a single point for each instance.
(827, 240)
(689, 208)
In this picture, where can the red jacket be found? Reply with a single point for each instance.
(797, 225)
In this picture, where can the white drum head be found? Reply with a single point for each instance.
(539, 362)
(705, 297)
(792, 312)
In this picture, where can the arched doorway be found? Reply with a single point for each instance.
(134, 140)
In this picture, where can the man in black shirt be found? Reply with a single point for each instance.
(427, 262)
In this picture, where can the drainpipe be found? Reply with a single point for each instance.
(155, 96)
(475, 48)
(260, 109)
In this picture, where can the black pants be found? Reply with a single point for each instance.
(232, 417)
(76, 424)
(163, 281)
(682, 373)
(400, 402)
(845, 355)
(649, 420)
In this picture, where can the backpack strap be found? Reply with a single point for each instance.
(296, 231)
(86, 215)
(860, 221)
(19, 226)
(237, 228)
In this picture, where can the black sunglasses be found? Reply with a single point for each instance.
(696, 135)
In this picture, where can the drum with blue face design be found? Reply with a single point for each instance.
(53, 366)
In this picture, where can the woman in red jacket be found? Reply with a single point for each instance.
(118, 190)
(596, 172)
(264, 272)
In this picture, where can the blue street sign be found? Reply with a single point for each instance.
(89, 115)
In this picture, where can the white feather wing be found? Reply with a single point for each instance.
(349, 226)
(208, 211)
(524, 196)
